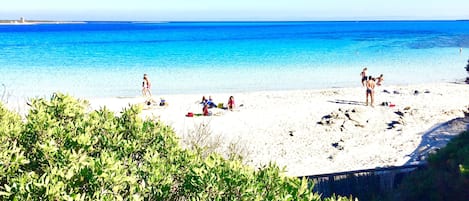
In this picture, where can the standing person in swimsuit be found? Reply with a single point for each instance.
(370, 90)
(363, 75)
(146, 85)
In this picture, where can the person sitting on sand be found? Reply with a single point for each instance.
(205, 110)
(163, 102)
(231, 103)
(204, 100)
(210, 102)
(370, 90)
(149, 103)
(363, 75)
(379, 80)
(146, 85)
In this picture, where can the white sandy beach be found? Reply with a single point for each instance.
(282, 126)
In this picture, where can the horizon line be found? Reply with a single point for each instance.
(18, 20)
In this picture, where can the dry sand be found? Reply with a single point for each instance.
(284, 126)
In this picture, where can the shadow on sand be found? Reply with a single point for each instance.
(437, 138)
(366, 184)
(347, 102)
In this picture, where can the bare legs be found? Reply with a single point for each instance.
(146, 91)
(371, 94)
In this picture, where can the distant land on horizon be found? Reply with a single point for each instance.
(25, 21)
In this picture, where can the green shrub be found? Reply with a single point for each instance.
(467, 66)
(63, 151)
(446, 177)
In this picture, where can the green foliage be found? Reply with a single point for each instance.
(447, 175)
(12, 156)
(467, 66)
(62, 151)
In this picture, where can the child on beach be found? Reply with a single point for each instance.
(363, 75)
(146, 86)
(231, 103)
(205, 110)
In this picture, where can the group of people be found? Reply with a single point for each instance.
(208, 103)
(370, 83)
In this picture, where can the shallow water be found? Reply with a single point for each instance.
(109, 58)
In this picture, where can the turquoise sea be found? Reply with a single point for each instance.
(108, 59)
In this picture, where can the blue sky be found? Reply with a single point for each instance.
(167, 10)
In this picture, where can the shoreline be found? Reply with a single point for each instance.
(290, 127)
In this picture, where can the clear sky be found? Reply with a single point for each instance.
(171, 10)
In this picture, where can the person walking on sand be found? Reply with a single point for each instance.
(363, 75)
(370, 90)
(146, 85)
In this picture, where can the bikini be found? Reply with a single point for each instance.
(146, 85)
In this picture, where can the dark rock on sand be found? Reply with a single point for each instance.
(399, 113)
(336, 145)
(345, 119)
(393, 124)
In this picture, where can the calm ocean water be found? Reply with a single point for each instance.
(108, 59)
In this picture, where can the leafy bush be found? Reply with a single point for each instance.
(467, 70)
(467, 66)
(63, 151)
(447, 176)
